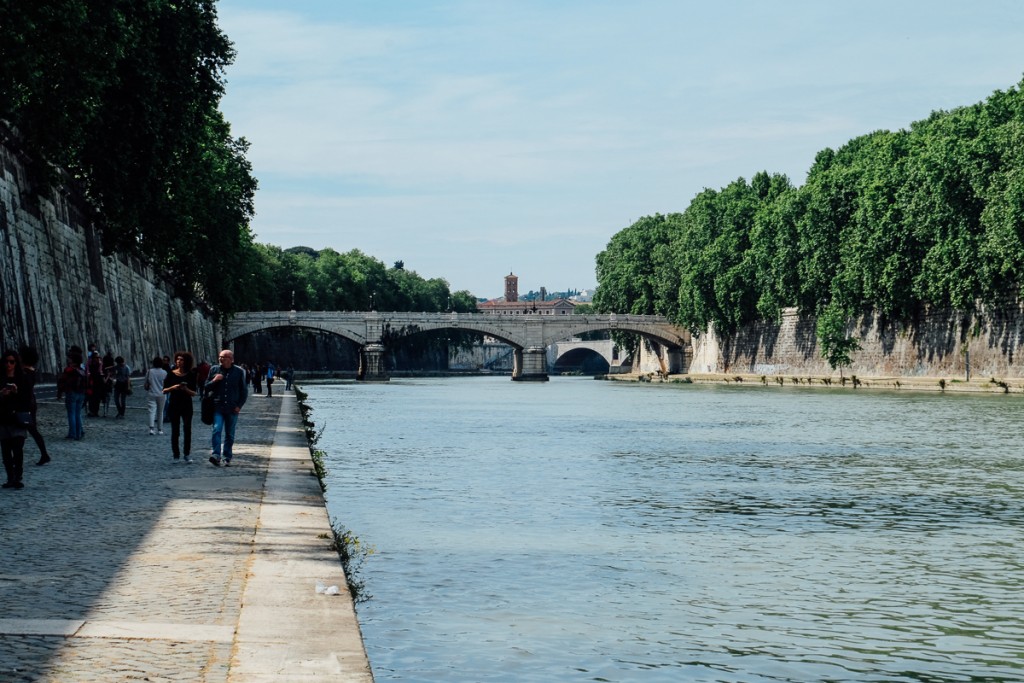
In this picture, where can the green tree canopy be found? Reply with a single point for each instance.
(893, 222)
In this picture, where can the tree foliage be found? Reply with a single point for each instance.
(326, 280)
(301, 278)
(836, 344)
(120, 99)
(894, 222)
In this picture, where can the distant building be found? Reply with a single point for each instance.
(511, 288)
(511, 305)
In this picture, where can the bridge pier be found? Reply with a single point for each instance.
(371, 364)
(531, 365)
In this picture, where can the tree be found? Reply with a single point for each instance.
(836, 344)
(893, 222)
(119, 99)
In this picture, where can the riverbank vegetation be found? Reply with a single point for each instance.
(892, 222)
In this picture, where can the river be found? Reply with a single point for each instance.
(580, 530)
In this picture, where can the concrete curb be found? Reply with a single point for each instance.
(286, 630)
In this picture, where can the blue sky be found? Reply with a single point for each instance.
(470, 139)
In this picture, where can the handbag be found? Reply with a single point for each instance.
(206, 408)
(23, 419)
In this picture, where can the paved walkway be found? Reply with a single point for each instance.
(118, 564)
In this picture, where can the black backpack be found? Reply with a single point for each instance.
(81, 381)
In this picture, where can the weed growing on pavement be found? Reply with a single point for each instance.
(353, 553)
(348, 546)
(312, 437)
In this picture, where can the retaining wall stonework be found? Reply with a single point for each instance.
(939, 344)
(58, 290)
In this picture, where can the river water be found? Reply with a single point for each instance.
(581, 530)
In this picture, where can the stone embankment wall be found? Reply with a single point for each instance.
(939, 344)
(492, 356)
(58, 290)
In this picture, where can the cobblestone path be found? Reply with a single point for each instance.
(118, 563)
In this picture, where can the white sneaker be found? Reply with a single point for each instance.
(161, 432)
(151, 431)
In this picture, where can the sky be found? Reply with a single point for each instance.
(470, 139)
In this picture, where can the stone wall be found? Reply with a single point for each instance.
(58, 290)
(493, 356)
(938, 344)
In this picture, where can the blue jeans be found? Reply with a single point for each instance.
(224, 424)
(74, 401)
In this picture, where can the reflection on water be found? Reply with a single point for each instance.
(590, 531)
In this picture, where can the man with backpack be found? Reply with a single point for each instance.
(122, 375)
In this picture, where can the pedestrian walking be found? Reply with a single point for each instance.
(29, 359)
(288, 378)
(155, 397)
(270, 378)
(257, 379)
(15, 413)
(108, 381)
(202, 374)
(72, 385)
(228, 388)
(180, 387)
(122, 385)
(94, 370)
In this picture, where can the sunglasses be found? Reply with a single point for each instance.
(10, 361)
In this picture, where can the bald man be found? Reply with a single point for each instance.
(227, 385)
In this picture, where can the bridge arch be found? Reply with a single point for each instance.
(233, 333)
(583, 360)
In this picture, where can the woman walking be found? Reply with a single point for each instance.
(180, 387)
(155, 396)
(15, 413)
(29, 359)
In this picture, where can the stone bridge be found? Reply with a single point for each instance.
(528, 334)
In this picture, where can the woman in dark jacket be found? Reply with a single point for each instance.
(29, 360)
(180, 387)
(15, 413)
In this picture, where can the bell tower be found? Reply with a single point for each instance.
(511, 288)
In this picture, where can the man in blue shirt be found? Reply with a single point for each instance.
(270, 378)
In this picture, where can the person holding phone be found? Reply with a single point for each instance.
(15, 412)
(180, 386)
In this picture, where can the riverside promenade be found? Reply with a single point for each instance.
(119, 564)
